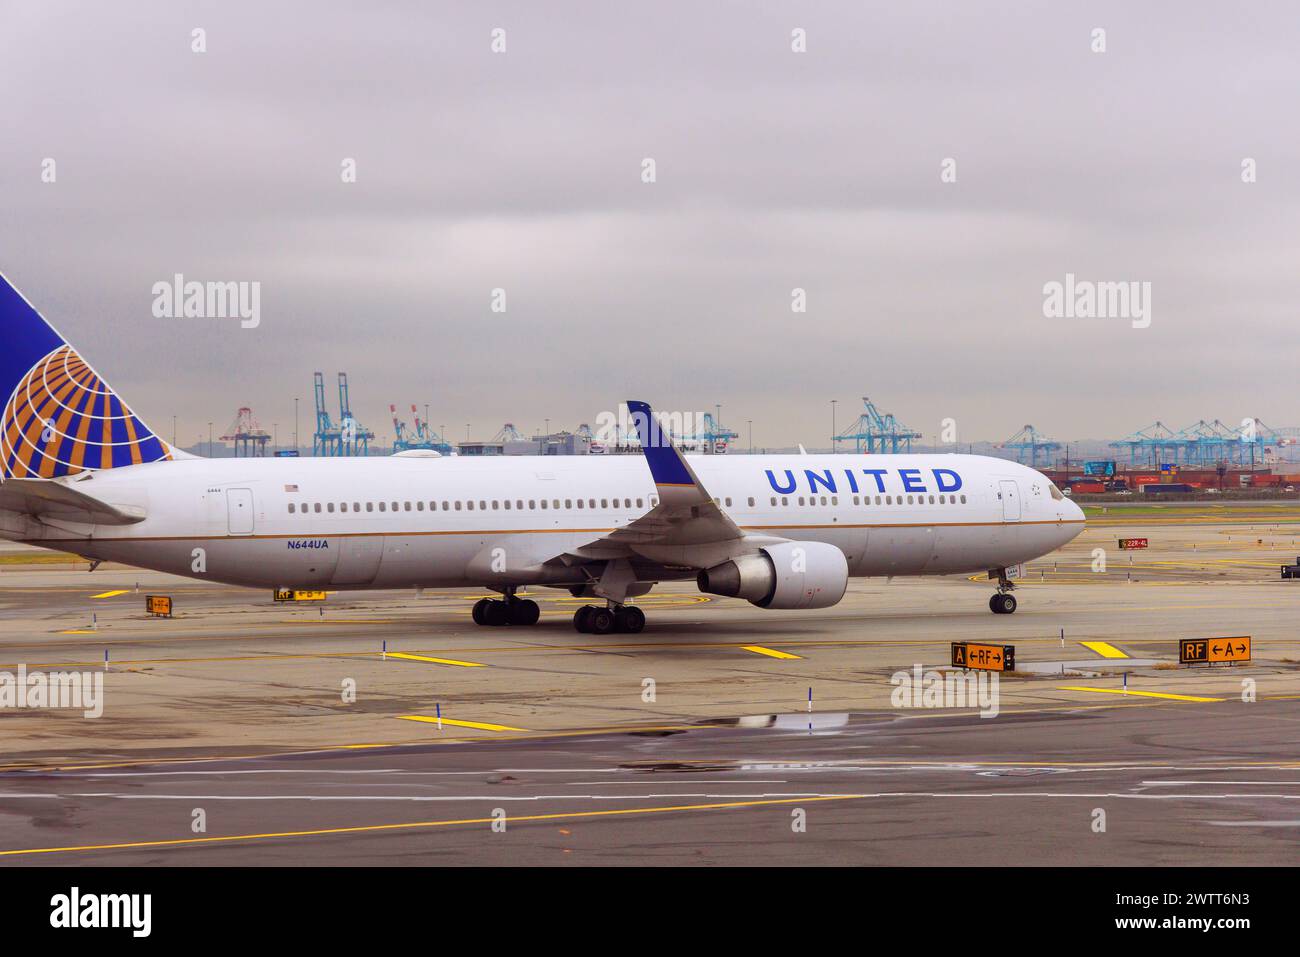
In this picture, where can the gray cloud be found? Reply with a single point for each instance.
(776, 170)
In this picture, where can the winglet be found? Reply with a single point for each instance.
(667, 466)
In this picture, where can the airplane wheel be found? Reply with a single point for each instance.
(600, 621)
(1002, 604)
(524, 612)
(477, 612)
(582, 618)
(630, 619)
(496, 613)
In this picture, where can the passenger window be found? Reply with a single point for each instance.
(604, 503)
(751, 501)
(507, 503)
(532, 503)
(496, 505)
(889, 500)
(329, 506)
(370, 506)
(728, 502)
(291, 508)
(543, 503)
(315, 506)
(785, 501)
(383, 506)
(591, 502)
(408, 506)
(909, 500)
(356, 506)
(482, 504)
(458, 505)
(555, 503)
(519, 503)
(470, 505)
(963, 499)
(579, 503)
(638, 504)
(800, 499)
(419, 506)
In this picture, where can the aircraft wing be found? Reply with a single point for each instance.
(51, 499)
(686, 527)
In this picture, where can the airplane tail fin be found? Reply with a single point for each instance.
(60, 417)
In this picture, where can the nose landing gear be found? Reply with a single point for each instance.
(1002, 603)
(592, 619)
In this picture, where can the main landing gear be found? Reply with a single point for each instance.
(592, 619)
(507, 611)
(1003, 603)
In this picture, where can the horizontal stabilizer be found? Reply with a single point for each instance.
(46, 499)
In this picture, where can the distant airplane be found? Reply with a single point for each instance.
(83, 473)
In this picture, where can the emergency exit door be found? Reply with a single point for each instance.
(1009, 492)
(239, 511)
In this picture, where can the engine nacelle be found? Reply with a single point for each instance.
(789, 575)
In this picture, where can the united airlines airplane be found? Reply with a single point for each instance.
(82, 473)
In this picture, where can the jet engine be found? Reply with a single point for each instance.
(789, 575)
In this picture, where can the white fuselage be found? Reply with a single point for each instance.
(403, 521)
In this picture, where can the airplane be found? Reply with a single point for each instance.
(82, 473)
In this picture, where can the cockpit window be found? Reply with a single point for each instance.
(1056, 492)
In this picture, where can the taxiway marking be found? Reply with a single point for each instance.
(1140, 694)
(112, 594)
(1103, 648)
(459, 724)
(770, 652)
(436, 661)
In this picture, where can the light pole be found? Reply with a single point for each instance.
(751, 436)
(209, 440)
(835, 444)
(173, 431)
(295, 424)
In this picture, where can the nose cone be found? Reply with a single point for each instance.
(1071, 512)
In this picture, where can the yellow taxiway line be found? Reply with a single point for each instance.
(372, 828)
(112, 594)
(436, 661)
(1140, 694)
(770, 652)
(1103, 648)
(459, 724)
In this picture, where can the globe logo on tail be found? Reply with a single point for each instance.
(62, 419)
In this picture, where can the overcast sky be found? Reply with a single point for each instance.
(775, 170)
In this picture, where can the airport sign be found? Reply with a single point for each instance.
(982, 657)
(297, 594)
(160, 605)
(1128, 543)
(1192, 651)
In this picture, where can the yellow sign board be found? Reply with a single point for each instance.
(158, 605)
(1208, 650)
(296, 594)
(982, 657)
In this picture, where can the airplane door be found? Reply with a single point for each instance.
(1009, 492)
(239, 511)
